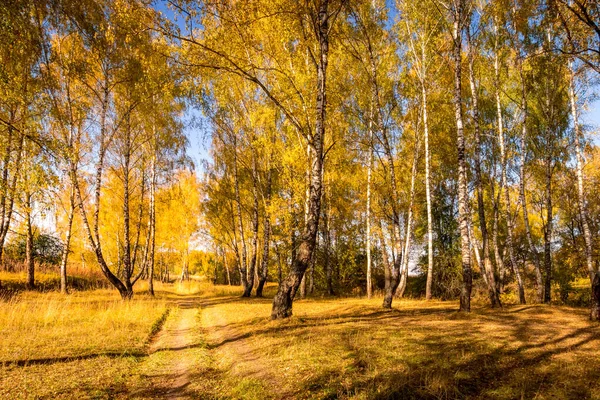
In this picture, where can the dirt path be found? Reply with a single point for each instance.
(197, 354)
(174, 353)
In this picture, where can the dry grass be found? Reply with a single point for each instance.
(80, 345)
(352, 349)
(331, 348)
(78, 280)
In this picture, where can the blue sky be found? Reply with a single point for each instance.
(199, 143)
(198, 135)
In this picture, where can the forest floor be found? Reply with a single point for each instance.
(212, 344)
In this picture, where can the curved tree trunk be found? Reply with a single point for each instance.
(93, 236)
(282, 303)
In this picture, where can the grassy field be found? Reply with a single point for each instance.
(93, 345)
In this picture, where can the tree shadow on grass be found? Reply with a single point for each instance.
(516, 352)
(54, 360)
(459, 362)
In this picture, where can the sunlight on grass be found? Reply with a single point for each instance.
(36, 326)
(351, 348)
(331, 348)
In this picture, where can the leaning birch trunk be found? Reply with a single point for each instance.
(8, 203)
(4, 189)
(463, 216)
(409, 224)
(387, 265)
(235, 245)
(488, 268)
(394, 278)
(282, 303)
(29, 261)
(495, 228)
(4, 184)
(504, 186)
(394, 275)
(92, 231)
(264, 269)
(254, 254)
(244, 255)
(67, 246)
(581, 197)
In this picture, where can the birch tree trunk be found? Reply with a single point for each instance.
(127, 259)
(532, 252)
(409, 225)
(92, 231)
(254, 254)
(238, 201)
(306, 211)
(504, 162)
(387, 264)
(9, 192)
(463, 197)
(67, 244)
(548, 231)
(29, 251)
(326, 249)
(152, 223)
(394, 276)
(369, 174)
(523, 199)
(488, 268)
(282, 303)
(582, 200)
(427, 191)
(264, 269)
(228, 274)
(495, 230)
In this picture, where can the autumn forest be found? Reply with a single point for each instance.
(316, 199)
